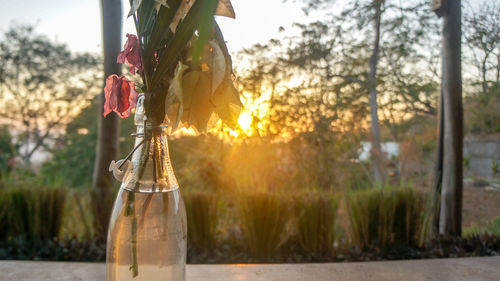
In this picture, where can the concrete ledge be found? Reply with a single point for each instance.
(477, 269)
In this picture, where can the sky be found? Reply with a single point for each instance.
(77, 23)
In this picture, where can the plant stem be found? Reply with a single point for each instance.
(145, 208)
(130, 207)
(133, 242)
(163, 217)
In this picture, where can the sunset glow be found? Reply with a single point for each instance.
(245, 120)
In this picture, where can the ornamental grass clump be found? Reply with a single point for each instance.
(4, 214)
(202, 218)
(382, 217)
(412, 216)
(77, 221)
(315, 218)
(264, 217)
(37, 212)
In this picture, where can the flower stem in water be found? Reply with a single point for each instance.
(135, 266)
(130, 210)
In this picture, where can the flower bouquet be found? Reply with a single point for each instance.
(183, 61)
(184, 77)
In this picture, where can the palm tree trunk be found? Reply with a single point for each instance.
(108, 128)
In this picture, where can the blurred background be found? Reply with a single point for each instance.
(296, 180)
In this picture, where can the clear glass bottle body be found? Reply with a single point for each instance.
(159, 243)
(148, 229)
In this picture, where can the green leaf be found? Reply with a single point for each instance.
(162, 3)
(160, 28)
(134, 5)
(204, 34)
(146, 14)
(198, 16)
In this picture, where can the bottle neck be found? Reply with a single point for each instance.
(151, 168)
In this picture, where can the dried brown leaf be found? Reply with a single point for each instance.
(225, 9)
(214, 58)
(181, 13)
(227, 102)
(197, 105)
(175, 94)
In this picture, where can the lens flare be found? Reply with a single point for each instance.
(245, 120)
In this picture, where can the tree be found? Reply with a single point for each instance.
(72, 162)
(451, 131)
(260, 74)
(376, 150)
(481, 30)
(8, 152)
(482, 37)
(371, 34)
(322, 123)
(108, 128)
(43, 86)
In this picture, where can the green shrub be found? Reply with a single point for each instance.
(315, 217)
(492, 227)
(35, 212)
(387, 216)
(202, 217)
(22, 222)
(4, 214)
(412, 217)
(264, 216)
(77, 220)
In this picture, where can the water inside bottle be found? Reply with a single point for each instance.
(147, 237)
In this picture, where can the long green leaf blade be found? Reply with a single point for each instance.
(200, 13)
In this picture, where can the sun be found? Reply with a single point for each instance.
(245, 120)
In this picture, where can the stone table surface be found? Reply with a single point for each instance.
(470, 269)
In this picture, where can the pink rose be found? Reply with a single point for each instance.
(131, 54)
(120, 95)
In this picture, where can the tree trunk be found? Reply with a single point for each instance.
(438, 175)
(26, 157)
(498, 68)
(376, 151)
(108, 128)
(450, 217)
(484, 71)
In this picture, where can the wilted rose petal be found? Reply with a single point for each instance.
(120, 95)
(131, 54)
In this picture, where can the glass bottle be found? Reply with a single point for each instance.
(147, 231)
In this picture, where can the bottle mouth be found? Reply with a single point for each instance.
(148, 189)
(150, 130)
(149, 126)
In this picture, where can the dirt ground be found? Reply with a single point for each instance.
(481, 203)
